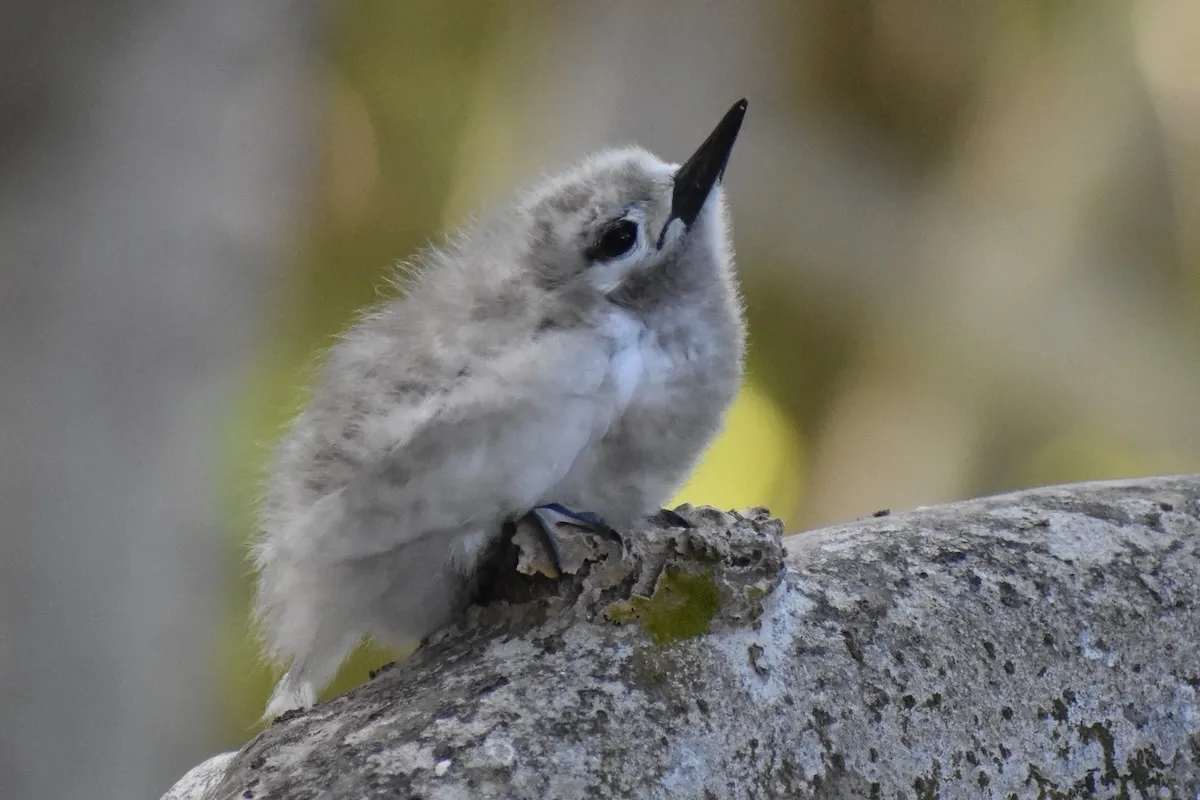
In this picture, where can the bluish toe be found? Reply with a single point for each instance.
(546, 530)
(584, 519)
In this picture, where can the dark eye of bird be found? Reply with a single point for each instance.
(616, 241)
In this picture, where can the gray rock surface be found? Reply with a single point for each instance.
(1038, 644)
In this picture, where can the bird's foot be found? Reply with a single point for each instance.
(547, 517)
(670, 519)
(588, 520)
(545, 529)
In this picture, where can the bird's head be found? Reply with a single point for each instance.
(625, 227)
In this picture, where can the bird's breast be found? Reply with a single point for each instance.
(640, 369)
(627, 372)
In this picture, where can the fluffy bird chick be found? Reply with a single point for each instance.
(576, 349)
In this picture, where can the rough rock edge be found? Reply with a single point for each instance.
(200, 778)
(1044, 643)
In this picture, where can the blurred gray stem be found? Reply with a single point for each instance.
(151, 155)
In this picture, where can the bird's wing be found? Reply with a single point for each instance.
(489, 448)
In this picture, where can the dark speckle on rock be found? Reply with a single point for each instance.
(757, 663)
(852, 646)
(375, 672)
(950, 557)
(1008, 595)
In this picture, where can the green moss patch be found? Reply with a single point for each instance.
(682, 606)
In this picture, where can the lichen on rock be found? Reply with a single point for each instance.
(689, 594)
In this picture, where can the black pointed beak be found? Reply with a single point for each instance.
(700, 173)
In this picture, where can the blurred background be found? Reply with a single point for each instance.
(968, 234)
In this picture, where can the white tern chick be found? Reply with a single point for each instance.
(576, 350)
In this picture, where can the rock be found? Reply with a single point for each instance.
(1043, 643)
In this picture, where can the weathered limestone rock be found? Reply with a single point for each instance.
(1038, 644)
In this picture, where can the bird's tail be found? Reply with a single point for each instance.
(312, 667)
(290, 693)
(300, 613)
